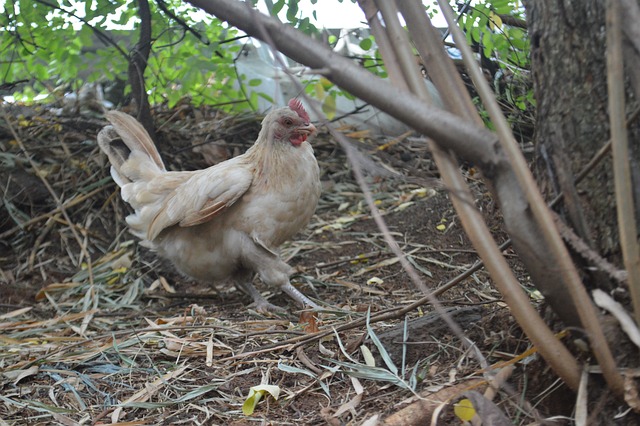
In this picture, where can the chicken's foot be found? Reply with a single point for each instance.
(261, 304)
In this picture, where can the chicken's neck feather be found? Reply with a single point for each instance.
(278, 164)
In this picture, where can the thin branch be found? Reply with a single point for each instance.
(513, 21)
(620, 150)
(163, 6)
(554, 352)
(137, 65)
(471, 142)
(552, 239)
(561, 360)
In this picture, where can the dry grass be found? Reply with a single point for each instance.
(95, 330)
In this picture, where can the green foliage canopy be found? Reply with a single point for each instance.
(59, 45)
(55, 43)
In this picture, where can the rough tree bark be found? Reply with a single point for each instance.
(568, 54)
(568, 48)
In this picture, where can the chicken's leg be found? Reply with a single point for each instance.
(295, 294)
(273, 272)
(262, 305)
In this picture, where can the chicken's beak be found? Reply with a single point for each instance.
(301, 134)
(308, 129)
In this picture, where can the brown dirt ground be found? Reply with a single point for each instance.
(173, 351)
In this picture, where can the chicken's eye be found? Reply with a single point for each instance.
(287, 122)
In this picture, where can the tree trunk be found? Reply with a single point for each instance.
(568, 54)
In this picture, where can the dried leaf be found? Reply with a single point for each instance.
(368, 356)
(16, 313)
(375, 280)
(349, 406)
(17, 375)
(308, 318)
(495, 21)
(40, 296)
(627, 323)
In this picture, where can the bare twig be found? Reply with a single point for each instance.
(73, 202)
(587, 253)
(163, 6)
(137, 64)
(53, 194)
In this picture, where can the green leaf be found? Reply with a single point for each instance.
(319, 89)
(303, 25)
(265, 96)
(291, 369)
(475, 34)
(468, 23)
(502, 7)
(362, 371)
(292, 11)
(255, 395)
(277, 7)
(329, 106)
(40, 72)
(253, 101)
(520, 44)
(495, 21)
(366, 44)
(173, 97)
(487, 43)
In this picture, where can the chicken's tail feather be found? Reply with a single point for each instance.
(131, 151)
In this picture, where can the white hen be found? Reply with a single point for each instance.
(226, 221)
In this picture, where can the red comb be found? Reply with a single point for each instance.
(296, 105)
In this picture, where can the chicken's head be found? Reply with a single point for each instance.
(289, 124)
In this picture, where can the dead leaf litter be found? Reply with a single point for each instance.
(95, 329)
